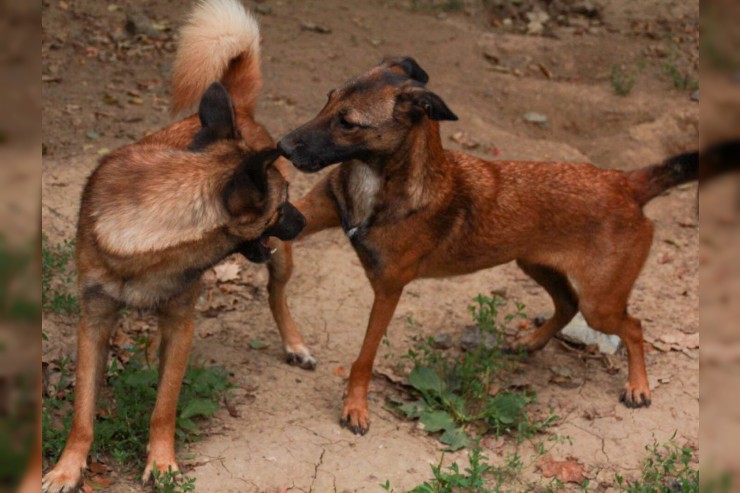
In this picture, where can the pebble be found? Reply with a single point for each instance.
(472, 338)
(579, 332)
(695, 96)
(263, 9)
(536, 118)
(442, 341)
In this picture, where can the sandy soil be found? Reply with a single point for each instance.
(104, 88)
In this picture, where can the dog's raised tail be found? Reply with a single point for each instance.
(220, 41)
(649, 182)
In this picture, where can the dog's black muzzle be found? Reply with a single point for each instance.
(289, 225)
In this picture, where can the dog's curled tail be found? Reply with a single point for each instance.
(220, 41)
(649, 182)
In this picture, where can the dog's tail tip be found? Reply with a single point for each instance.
(220, 41)
(647, 183)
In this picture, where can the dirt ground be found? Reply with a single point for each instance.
(104, 88)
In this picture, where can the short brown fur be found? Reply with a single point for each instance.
(415, 210)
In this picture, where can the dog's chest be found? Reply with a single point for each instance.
(361, 189)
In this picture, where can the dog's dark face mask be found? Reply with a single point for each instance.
(288, 226)
(367, 118)
(256, 195)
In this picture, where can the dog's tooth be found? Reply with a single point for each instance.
(273, 251)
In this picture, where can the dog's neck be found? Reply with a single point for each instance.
(395, 185)
(411, 173)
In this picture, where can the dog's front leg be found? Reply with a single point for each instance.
(97, 321)
(176, 328)
(320, 213)
(355, 415)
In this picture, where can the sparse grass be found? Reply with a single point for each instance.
(668, 468)
(444, 5)
(172, 482)
(455, 395)
(122, 425)
(681, 81)
(483, 477)
(622, 81)
(58, 277)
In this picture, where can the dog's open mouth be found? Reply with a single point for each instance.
(264, 246)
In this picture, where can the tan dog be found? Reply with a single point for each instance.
(156, 214)
(415, 210)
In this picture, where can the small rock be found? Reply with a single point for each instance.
(536, 118)
(263, 9)
(695, 96)
(376, 42)
(535, 27)
(442, 341)
(579, 332)
(472, 338)
(310, 26)
(539, 320)
(138, 23)
(585, 8)
(442, 15)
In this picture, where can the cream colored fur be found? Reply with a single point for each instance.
(216, 32)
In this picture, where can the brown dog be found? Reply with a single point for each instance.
(156, 214)
(415, 210)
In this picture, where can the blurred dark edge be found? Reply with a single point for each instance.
(20, 174)
(719, 213)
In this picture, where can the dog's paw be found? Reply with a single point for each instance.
(356, 418)
(634, 396)
(300, 356)
(528, 343)
(162, 465)
(62, 480)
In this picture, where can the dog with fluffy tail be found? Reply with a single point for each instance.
(156, 214)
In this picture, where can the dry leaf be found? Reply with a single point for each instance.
(567, 471)
(227, 272)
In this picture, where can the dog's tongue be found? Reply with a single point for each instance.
(265, 241)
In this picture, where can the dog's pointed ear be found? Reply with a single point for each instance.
(414, 103)
(407, 66)
(217, 118)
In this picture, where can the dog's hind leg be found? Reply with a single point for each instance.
(176, 327)
(97, 321)
(604, 290)
(280, 269)
(564, 299)
(320, 213)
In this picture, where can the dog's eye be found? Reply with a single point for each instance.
(346, 124)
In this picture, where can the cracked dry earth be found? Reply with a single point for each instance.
(287, 437)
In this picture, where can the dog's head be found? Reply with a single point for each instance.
(367, 117)
(255, 194)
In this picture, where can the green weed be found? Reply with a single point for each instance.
(681, 81)
(667, 468)
(458, 394)
(122, 425)
(622, 81)
(58, 277)
(172, 482)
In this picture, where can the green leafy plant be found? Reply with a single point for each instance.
(622, 81)
(682, 81)
(122, 426)
(668, 467)
(171, 481)
(57, 277)
(456, 393)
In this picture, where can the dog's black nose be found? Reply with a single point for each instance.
(285, 148)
